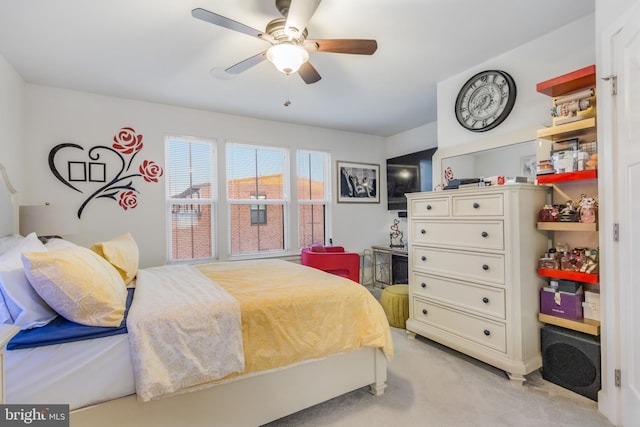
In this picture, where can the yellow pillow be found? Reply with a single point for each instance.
(122, 252)
(78, 284)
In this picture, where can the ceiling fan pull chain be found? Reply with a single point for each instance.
(287, 101)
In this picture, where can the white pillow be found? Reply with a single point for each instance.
(12, 257)
(78, 284)
(55, 243)
(9, 242)
(26, 308)
(5, 316)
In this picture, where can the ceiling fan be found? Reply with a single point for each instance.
(290, 48)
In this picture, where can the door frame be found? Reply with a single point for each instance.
(610, 396)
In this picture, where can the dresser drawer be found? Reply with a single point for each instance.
(479, 330)
(481, 299)
(478, 234)
(478, 205)
(421, 208)
(459, 264)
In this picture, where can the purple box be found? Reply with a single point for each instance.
(561, 304)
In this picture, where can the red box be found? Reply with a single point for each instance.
(561, 304)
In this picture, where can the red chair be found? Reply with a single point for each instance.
(334, 260)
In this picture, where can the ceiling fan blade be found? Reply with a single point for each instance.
(298, 16)
(214, 18)
(247, 63)
(308, 73)
(353, 46)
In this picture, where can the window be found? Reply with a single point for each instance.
(256, 182)
(190, 198)
(258, 212)
(313, 186)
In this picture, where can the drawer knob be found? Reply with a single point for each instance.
(428, 207)
(423, 231)
(485, 234)
(485, 267)
(424, 285)
(487, 332)
(424, 311)
(485, 300)
(423, 258)
(476, 205)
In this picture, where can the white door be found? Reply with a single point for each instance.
(627, 66)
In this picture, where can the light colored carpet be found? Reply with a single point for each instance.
(431, 385)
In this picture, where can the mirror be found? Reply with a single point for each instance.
(514, 159)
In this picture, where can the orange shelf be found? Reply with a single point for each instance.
(568, 176)
(570, 82)
(569, 275)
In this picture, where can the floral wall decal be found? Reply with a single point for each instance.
(118, 186)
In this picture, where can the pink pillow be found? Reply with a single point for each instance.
(317, 247)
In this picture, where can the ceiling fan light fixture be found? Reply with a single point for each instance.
(287, 57)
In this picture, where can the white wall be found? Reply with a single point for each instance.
(416, 139)
(569, 48)
(55, 116)
(12, 124)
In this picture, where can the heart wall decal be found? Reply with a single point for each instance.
(93, 172)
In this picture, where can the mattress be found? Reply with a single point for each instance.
(276, 332)
(80, 373)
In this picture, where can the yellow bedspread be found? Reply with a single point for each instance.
(292, 313)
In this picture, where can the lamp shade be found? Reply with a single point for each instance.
(287, 57)
(47, 220)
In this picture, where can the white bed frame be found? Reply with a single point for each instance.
(252, 400)
(246, 401)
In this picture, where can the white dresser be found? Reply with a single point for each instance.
(472, 272)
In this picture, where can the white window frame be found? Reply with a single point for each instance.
(285, 201)
(212, 202)
(326, 201)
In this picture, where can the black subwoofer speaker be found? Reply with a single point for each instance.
(571, 359)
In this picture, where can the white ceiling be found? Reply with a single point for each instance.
(155, 50)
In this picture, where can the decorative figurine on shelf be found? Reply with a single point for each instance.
(588, 208)
(567, 108)
(396, 235)
(568, 213)
(591, 262)
(548, 213)
(448, 175)
(592, 163)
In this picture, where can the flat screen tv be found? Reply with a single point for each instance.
(409, 173)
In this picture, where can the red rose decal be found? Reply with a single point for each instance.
(128, 199)
(127, 142)
(150, 171)
(119, 185)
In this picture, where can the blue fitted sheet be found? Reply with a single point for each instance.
(61, 330)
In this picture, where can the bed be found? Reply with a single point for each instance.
(98, 377)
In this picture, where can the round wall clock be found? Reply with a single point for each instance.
(485, 100)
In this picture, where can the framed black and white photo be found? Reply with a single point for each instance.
(358, 182)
